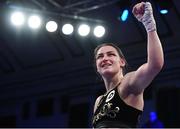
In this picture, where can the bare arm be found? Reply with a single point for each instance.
(97, 102)
(143, 76)
(155, 52)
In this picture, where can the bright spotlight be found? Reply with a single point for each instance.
(83, 30)
(124, 15)
(67, 29)
(34, 22)
(17, 18)
(164, 7)
(99, 31)
(51, 26)
(164, 11)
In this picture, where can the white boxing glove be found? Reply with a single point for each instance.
(147, 18)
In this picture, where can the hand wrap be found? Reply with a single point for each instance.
(147, 18)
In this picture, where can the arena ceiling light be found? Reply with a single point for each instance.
(83, 30)
(17, 18)
(164, 11)
(51, 26)
(124, 7)
(164, 6)
(34, 22)
(124, 15)
(99, 31)
(67, 29)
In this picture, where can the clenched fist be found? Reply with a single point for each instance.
(144, 13)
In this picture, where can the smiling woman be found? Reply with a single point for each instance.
(111, 53)
(110, 64)
(122, 104)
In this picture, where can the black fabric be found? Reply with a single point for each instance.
(111, 124)
(113, 112)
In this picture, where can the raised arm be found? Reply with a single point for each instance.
(143, 76)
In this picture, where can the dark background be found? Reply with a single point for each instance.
(48, 79)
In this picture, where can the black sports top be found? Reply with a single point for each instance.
(113, 112)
